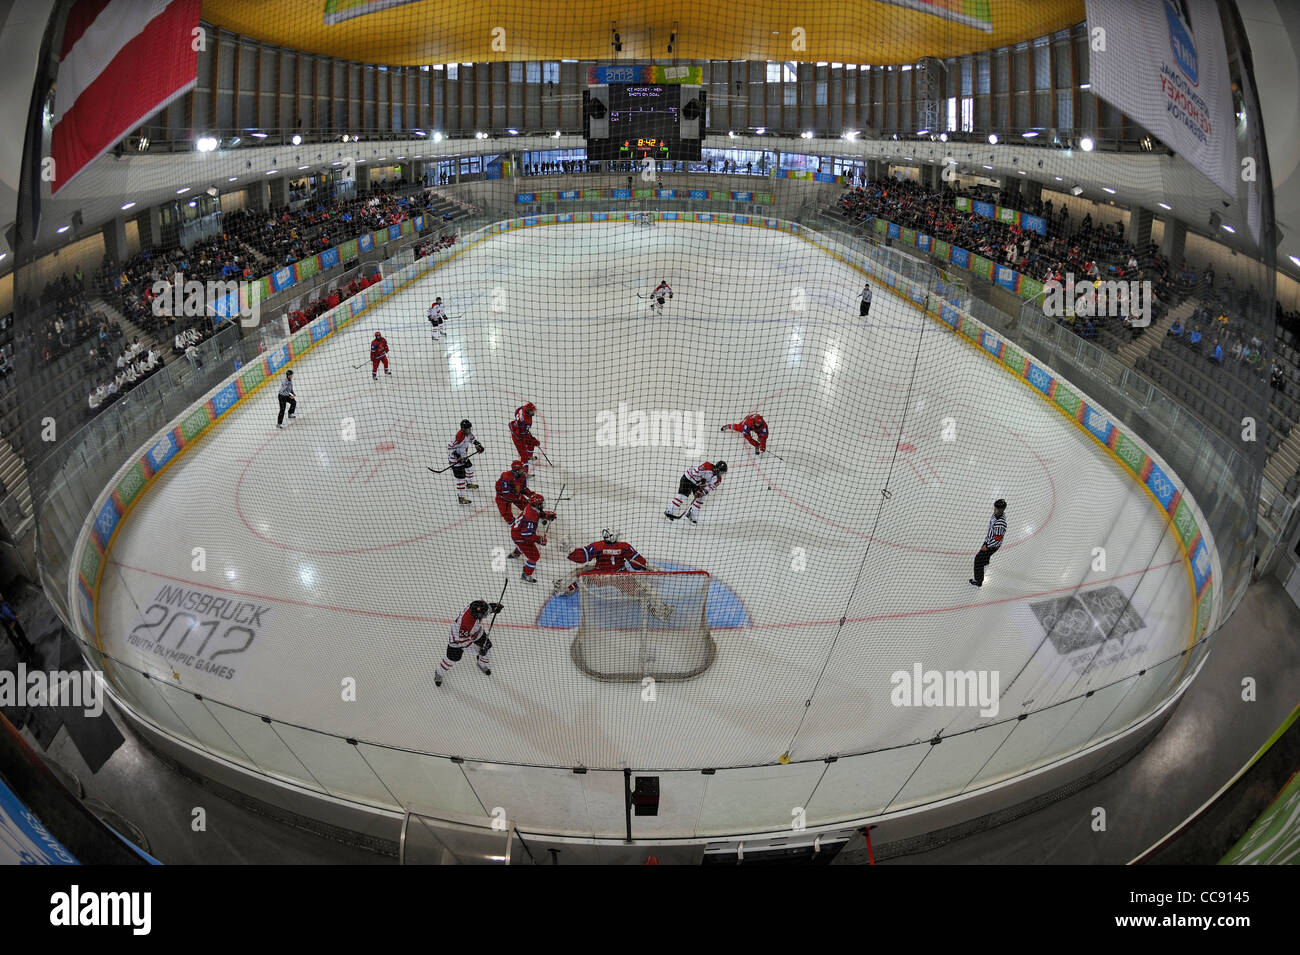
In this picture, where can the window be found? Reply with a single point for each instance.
(533, 72)
(453, 70)
(774, 72)
(820, 95)
(968, 114)
(551, 72)
(516, 72)
(790, 95)
(790, 71)
(951, 123)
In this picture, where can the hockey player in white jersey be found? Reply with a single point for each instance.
(458, 455)
(696, 483)
(657, 297)
(436, 317)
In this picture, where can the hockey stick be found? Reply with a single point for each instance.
(450, 466)
(500, 602)
(548, 461)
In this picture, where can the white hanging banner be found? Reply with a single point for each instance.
(1164, 63)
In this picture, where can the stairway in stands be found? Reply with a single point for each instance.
(1144, 344)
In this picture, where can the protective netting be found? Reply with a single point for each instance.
(851, 257)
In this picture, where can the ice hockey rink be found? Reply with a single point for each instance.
(343, 558)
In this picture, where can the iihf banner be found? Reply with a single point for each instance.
(1165, 65)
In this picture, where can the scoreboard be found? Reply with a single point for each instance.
(644, 123)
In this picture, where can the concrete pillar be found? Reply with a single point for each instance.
(255, 197)
(1031, 190)
(279, 188)
(1139, 228)
(151, 228)
(115, 240)
(1175, 242)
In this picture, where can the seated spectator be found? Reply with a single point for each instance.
(1194, 339)
(1275, 377)
(1217, 354)
(178, 344)
(1089, 330)
(1176, 329)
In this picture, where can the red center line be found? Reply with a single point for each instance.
(534, 626)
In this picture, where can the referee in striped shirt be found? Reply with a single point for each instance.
(287, 400)
(992, 541)
(865, 305)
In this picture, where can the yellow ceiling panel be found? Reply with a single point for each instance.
(412, 32)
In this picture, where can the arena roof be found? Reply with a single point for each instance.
(415, 32)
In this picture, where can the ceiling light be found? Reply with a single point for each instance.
(923, 132)
(1029, 133)
(993, 139)
(232, 179)
(1228, 228)
(556, 134)
(302, 167)
(1059, 179)
(1164, 205)
(127, 206)
(1021, 171)
(513, 132)
(1086, 144)
(182, 190)
(420, 132)
(1108, 189)
(1294, 260)
(988, 167)
(1085, 86)
(258, 134)
(346, 137)
(62, 229)
(943, 137)
(761, 130)
(193, 203)
(296, 139)
(272, 172)
(1076, 190)
(806, 134)
(205, 144)
(437, 137)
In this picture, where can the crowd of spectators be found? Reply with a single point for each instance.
(116, 376)
(130, 287)
(287, 236)
(70, 321)
(329, 299)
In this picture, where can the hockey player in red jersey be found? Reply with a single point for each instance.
(458, 455)
(528, 532)
(521, 432)
(378, 353)
(701, 480)
(611, 556)
(512, 490)
(467, 630)
(754, 430)
(614, 556)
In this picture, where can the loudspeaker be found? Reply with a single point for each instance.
(692, 116)
(645, 796)
(596, 106)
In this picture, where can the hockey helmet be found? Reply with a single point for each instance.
(479, 609)
(516, 465)
(720, 467)
(536, 500)
(609, 536)
(529, 408)
(379, 334)
(465, 425)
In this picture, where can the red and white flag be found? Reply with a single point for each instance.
(121, 61)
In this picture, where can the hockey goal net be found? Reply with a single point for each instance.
(637, 625)
(642, 218)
